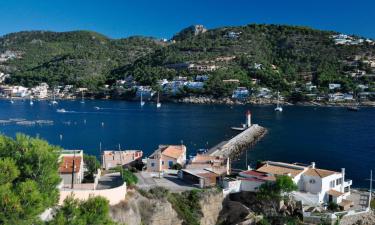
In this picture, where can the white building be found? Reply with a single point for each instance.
(19, 91)
(40, 91)
(334, 86)
(194, 85)
(324, 185)
(240, 93)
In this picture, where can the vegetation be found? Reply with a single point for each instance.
(176, 166)
(28, 179)
(275, 190)
(333, 206)
(187, 206)
(280, 57)
(372, 204)
(93, 211)
(129, 177)
(92, 165)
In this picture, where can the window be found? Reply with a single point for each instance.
(338, 181)
(162, 162)
(152, 164)
(170, 163)
(332, 184)
(312, 181)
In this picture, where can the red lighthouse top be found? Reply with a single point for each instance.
(248, 112)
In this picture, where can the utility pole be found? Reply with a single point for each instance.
(74, 157)
(369, 201)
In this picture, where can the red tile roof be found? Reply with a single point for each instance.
(66, 164)
(174, 151)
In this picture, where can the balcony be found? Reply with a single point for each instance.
(348, 183)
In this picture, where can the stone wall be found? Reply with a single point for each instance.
(114, 195)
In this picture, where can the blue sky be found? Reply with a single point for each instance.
(163, 18)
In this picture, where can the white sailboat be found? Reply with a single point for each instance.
(54, 102)
(82, 98)
(142, 102)
(31, 100)
(158, 104)
(11, 99)
(278, 107)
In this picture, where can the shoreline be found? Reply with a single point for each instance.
(203, 100)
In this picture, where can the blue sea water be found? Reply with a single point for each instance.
(330, 136)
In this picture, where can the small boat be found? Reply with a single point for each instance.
(61, 110)
(97, 107)
(54, 102)
(158, 104)
(82, 98)
(31, 101)
(353, 108)
(11, 100)
(278, 107)
(142, 102)
(238, 128)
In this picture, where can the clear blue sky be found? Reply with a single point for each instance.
(163, 18)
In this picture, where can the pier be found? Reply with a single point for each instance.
(234, 147)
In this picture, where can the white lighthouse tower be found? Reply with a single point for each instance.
(248, 118)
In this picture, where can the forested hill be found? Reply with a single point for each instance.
(83, 58)
(280, 57)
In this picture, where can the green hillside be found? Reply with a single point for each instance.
(279, 57)
(81, 58)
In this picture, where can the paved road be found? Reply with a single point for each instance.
(146, 180)
(111, 180)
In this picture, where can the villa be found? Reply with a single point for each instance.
(315, 186)
(165, 157)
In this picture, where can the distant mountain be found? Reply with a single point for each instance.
(276, 56)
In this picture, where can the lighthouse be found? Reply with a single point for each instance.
(248, 118)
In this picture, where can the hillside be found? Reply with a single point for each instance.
(81, 58)
(275, 56)
(280, 57)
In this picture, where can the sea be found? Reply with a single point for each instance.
(332, 137)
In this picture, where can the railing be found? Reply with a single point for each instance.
(348, 183)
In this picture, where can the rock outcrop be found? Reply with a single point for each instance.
(137, 210)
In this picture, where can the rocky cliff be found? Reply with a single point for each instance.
(138, 209)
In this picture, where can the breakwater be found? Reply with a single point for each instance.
(234, 147)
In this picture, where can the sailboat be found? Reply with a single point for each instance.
(278, 107)
(54, 102)
(158, 104)
(142, 102)
(82, 98)
(31, 100)
(11, 99)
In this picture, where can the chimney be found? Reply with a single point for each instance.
(313, 165)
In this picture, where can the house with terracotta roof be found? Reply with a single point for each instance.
(324, 185)
(71, 166)
(165, 157)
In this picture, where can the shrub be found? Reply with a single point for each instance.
(129, 177)
(187, 206)
(176, 166)
(333, 206)
(372, 204)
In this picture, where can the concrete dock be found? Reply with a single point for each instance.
(234, 147)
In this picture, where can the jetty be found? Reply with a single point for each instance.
(234, 147)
